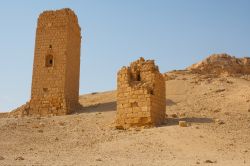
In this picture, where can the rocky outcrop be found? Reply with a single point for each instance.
(222, 64)
(20, 111)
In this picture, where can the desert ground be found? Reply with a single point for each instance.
(217, 109)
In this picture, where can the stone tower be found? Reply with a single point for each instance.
(140, 95)
(56, 69)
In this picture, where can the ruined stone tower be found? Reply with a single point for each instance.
(56, 69)
(140, 95)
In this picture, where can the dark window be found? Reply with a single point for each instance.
(45, 89)
(138, 77)
(49, 60)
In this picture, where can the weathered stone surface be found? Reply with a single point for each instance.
(140, 95)
(56, 69)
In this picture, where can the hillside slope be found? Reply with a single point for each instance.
(216, 106)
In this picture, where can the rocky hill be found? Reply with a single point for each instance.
(222, 64)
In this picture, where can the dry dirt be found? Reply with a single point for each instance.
(217, 110)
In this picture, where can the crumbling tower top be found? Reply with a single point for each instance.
(140, 95)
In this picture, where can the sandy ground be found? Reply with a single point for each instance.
(219, 132)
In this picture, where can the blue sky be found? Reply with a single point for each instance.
(176, 33)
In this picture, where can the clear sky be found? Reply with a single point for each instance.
(175, 33)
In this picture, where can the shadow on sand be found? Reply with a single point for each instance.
(170, 102)
(175, 121)
(101, 107)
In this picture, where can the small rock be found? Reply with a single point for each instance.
(209, 161)
(61, 123)
(138, 129)
(19, 158)
(217, 110)
(119, 127)
(41, 124)
(182, 114)
(220, 122)
(197, 162)
(2, 158)
(99, 159)
(183, 124)
(35, 126)
(174, 116)
(248, 110)
(40, 131)
(220, 90)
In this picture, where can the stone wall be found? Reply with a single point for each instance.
(140, 95)
(56, 69)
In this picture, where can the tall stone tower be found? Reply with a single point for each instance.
(141, 99)
(56, 70)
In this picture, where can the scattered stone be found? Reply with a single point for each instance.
(220, 90)
(61, 123)
(220, 122)
(138, 129)
(174, 116)
(119, 127)
(217, 110)
(183, 124)
(209, 161)
(19, 158)
(56, 139)
(229, 82)
(99, 159)
(35, 126)
(197, 162)
(41, 124)
(248, 110)
(2, 158)
(40, 131)
(182, 114)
